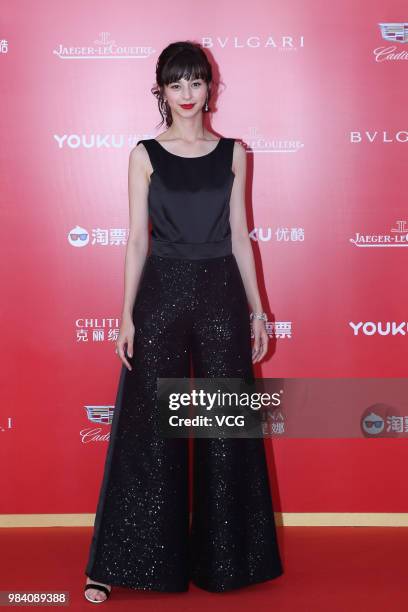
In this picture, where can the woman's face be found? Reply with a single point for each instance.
(184, 92)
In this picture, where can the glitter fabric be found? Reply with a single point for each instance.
(189, 311)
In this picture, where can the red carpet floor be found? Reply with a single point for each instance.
(327, 569)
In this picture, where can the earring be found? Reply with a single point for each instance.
(206, 105)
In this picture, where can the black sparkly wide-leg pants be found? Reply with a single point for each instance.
(142, 538)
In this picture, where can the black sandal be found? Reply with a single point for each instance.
(99, 587)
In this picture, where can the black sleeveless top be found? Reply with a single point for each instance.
(189, 201)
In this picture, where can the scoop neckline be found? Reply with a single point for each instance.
(184, 157)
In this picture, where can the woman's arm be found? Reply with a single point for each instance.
(241, 242)
(242, 249)
(137, 245)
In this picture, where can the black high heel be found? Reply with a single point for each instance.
(99, 587)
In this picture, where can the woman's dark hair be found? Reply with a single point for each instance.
(184, 59)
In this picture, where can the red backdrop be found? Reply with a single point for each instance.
(317, 92)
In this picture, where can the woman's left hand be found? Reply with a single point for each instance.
(261, 340)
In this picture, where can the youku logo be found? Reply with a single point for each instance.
(397, 238)
(103, 48)
(95, 141)
(282, 234)
(379, 328)
(396, 33)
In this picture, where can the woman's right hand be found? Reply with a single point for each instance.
(125, 339)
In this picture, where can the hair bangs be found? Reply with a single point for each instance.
(185, 65)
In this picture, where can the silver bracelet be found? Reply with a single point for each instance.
(258, 315)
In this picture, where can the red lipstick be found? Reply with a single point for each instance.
(186, 105)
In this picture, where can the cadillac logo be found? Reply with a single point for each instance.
(395, 32)
(100, 414)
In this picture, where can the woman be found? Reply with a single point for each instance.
(187, 298)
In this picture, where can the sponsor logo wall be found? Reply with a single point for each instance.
(317, 97)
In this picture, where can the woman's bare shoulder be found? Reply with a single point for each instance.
(139, 158)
